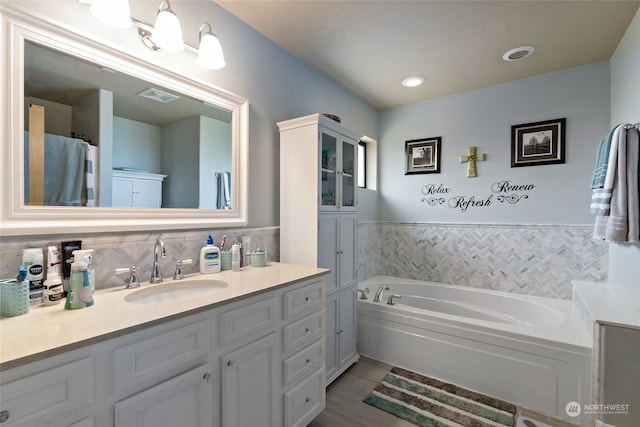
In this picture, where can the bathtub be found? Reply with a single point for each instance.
(532, 351)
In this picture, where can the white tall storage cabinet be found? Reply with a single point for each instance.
(318, 215)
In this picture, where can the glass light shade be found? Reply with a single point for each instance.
(167, 32)
(115, 13)
(210, 53)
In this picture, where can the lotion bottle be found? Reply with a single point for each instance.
(235, 257)
(209, 258)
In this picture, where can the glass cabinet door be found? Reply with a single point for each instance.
(328, 170)
(348, 174)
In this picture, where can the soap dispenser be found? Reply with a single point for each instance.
(79, 294)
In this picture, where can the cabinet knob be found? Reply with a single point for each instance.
(208, 377)
(4, 416)
(307, 400)
(307, 299)
(231, 364)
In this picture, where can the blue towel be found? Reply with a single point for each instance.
(602, 160)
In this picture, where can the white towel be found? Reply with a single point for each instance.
(91, 183)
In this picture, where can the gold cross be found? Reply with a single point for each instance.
(471, 158)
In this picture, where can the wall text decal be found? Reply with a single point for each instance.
(434, 195)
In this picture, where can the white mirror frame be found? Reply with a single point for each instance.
(19, 219)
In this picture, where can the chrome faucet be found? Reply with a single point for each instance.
(158, 254)
(378, 296)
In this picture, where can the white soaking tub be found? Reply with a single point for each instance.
(532, 351)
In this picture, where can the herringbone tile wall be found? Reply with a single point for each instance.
(528, 259)
(126, 249)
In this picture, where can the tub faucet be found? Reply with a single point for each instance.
(378, 296)
(158, 253)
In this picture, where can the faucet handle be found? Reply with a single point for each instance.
(132, 281)
(364, 293)
(391, 300)
(177, 275)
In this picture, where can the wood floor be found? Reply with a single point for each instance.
(344, 399)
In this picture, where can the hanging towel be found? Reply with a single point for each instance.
(602, 160)
(223, 188)
(601, 195)
(622, 224)
(90, 187)
(63, 170)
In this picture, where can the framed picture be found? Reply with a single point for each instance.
(539, 143)
(422, 155)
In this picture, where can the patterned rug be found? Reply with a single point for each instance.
(427, 402)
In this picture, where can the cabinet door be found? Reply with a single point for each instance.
(329, 166)
(331, 312)
(348, 175)
(328, 225)
(347, 250)
(122, 192)
(249, 387)
(148, 194)
(185, 400)
(347, 326)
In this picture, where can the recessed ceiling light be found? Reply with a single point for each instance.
(518, 53)
(413, 81)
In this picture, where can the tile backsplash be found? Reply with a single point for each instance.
(537, 260)
(125, 249)
(529, 259)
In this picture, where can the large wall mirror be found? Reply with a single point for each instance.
(96, 140)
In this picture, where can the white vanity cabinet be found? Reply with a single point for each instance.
(256, 361)
(136, 189)
(318, 219)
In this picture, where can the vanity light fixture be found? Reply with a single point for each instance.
(115, 13)
(210, 53)
(166, 34)
(413, 81)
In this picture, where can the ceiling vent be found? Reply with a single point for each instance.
(158, 95)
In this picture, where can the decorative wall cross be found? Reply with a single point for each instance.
(471, 158)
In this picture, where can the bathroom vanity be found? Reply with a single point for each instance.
(250, 353)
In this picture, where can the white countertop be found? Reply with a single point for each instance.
(49, 330)
(605, 304)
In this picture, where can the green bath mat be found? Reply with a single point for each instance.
(427, 402)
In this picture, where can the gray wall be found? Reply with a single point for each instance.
(483, 118)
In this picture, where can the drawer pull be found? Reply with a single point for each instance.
(208, 377)
(339, 332)
(4, 416)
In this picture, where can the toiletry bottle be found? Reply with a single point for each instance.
(87, 256)
(54, 261)
(209, 258)
(235, 257)
(79, 294)
(22, 273)
(52, 288)
(34, 260)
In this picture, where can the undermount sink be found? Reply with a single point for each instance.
(179, 290)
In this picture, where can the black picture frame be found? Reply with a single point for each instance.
(538, 143)
(422, 155)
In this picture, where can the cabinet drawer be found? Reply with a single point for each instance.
(181, 401)
(160, 355)
(37, 399)
(304, 299)
(303, 363)
(306, 400)
(304, 332)
(248, 321)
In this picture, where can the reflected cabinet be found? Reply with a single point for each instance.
(318, 218)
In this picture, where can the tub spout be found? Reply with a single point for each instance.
(392, 298)
(378, 296)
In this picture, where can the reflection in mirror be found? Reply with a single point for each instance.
(97, 137)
